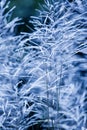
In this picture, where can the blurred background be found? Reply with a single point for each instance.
(24, 9)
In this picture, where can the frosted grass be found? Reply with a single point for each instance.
(44, 83)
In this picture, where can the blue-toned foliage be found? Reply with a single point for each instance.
(43, 75)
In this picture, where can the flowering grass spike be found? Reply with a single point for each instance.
(43, 74)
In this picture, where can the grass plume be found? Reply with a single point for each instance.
(43, 77)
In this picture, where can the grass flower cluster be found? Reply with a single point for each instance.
(43, 74)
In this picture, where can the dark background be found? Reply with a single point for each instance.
(24, 9)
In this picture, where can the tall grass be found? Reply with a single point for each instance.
(43, 74)
(10, 58)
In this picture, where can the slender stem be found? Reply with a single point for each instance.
(58, 89)
(47, 88)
